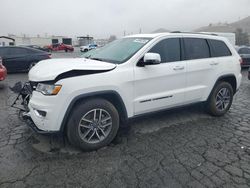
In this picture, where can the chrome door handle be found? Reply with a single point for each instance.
(178, 68)
(214, 63)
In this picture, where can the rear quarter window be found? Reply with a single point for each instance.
(32, 51)
(219, 48)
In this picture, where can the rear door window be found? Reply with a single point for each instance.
(219, 48)
(169, 50)
(196, 48)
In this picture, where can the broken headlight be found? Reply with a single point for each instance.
(48, 89)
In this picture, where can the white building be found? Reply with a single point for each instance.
(6, 41)
(37, 40)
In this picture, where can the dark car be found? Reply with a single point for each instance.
(19, 59)
(244, 52)
(249, 74)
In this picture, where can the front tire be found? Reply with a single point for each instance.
(93, 124)
(220, 100)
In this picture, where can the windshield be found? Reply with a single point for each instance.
(117, 51)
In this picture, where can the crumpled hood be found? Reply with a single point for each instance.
(48, 70)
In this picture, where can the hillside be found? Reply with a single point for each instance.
(161, 30)
(244, 24)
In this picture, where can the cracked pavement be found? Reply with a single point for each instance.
(177, 148)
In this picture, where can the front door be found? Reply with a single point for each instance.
(163, 85)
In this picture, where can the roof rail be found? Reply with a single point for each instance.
(199, 33)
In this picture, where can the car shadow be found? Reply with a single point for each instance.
(54, 144)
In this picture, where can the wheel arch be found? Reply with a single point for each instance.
(230, 78)
(111, 96)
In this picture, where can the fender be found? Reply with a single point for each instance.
(102, 94)
(223, 77)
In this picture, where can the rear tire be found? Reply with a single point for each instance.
(92, 124)
(220, 100)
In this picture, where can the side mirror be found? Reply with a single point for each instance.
(151, 59)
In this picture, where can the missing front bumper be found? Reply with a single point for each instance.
(24, 92)
(21, 102)
(27, 119)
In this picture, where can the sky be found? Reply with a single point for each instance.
(102, 18)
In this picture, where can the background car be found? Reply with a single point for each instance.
(60, 47)
(249, 74)
(88, 47)
(3, 71)
(244, 52)
(19, 59)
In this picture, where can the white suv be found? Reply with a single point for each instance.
(88, 98)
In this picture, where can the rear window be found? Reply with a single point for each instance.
(244, 51)
(196, 48)
(219, 48)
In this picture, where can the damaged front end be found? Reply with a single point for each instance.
(24, 92)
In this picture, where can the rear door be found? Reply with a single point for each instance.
(223, 63)
(200, 68)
